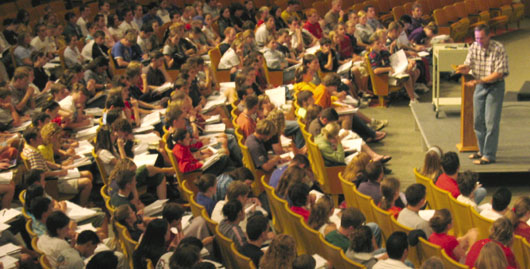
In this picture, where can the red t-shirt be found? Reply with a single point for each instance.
(301, 211)
(185, 159)
(449, 184)
(523, 230)
(446, 242)
(314, 29)
(474, 251)
(345, 48)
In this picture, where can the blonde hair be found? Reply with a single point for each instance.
(310, 12)
(519, 210)
(280, 254)
(432, 164)
(491, 257)
(356, 166)
(361, 14)
(48, 131)
(389, 187)
(265, 127)
(278, 118)
(331, 130)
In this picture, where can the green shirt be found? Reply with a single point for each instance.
(338, 239)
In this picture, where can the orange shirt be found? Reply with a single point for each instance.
(322, 96)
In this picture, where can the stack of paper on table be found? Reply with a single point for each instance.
(85, 227)
(321, 263)
(150, 138)
(9, 262)
(20, 128)
(9, 249)
(277, 96)
(213, 101)
(6, 177)
(215, 128)
(145, 159)
(72, 173)
(213, 119)
(84, 148)
(155, 207)
(81, 162)
(151, 119)
(87, 133)
(7, 215)
(164, 88)
(4, 226)
(78, 213)
(210, 160)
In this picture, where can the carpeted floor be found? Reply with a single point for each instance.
(404, 142)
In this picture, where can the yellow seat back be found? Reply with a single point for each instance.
(215, 58)
(383, 218)
(292, 222)
(519, 251)
(274, 205)
(449, 263)
(209, 222)
(101, 168)
(462, 220)
(365, 205)
(441, 197)
(414, 255)
(427, 249)
(241, 260)
(226, 249)
(130, 245)
(349, 193)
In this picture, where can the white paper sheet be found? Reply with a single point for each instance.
(155, 207)
(277, 96)
(426, 214)
(320, 262)
(72, 173)
(78, 213)
(84, 148)
(149, 138)
(215, 128)
(88, 132)
(6, 215)
(399, 62)
(151, 119)
(6, 177)
(213, 119)
(9, 262)
(145, 159)
(164, 87)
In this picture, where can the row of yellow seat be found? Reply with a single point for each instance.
(466, 217)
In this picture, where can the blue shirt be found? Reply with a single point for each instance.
(132, 53)
(276, 175)
(223, 180)
(205, 201)
(38, 227)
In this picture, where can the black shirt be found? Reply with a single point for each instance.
(155, 77)
(323, 60)
(253, 252)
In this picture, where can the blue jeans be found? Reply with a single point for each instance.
(293, 129)
(487, 104)
(376, 232)
(480, 193)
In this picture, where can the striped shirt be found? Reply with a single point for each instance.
(485, 61)
(35, 158)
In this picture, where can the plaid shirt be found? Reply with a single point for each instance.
(485, 61)
(35, 158)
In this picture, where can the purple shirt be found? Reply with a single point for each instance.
(418, 36)
(372, 189)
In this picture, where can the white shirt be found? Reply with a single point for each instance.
(47, 45)
(124, 26)
(72, 56)
(466, 200)
(390, 264)
(229, 59)
(164, 15)
(82, 24)
(86, 52)
(59, 253)
(261, 35)
(490, 214)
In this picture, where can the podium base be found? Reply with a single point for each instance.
(462, 148)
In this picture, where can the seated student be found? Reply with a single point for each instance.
(40, 209)
(86, 243)
(232, 59)
(441, 222)
(519, 216)
(245, 119)
(276, 60)
(372, 187)
(299, 196)
(124, 196)
(74, 104)
(501, 233)
(380, 63)
(103, 259)
(152, 245)
(389, 194)
(355, 171)
(240, 191)
(156, 73)
(188, 161)
(298, 160)
(224, 180)
(287, 128)
(96, 70)
(448, 180)
(52, 147)
(292, 175)
(125, 50)
(229, 227)
(54, 244)
(467, 184)
(321, 211)
(328, 142)
(83, 185)
(432, 164)
(499, 204)
(187, 255)
(327, 56)
(265, 129)
(206, 185)
(9, 116)
(72, 55)
(172, 213)
(257, 228)
(362, 247)
(409, 216)
(127, 217)
(423, 35)
(312, 25)
(351, 220)
(397, 249)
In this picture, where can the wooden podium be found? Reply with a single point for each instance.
(468, 139)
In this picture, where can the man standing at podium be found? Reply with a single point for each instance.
(488, 63)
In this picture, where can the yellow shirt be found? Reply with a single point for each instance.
(304, 86)
(47, 152)
(286, 16)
